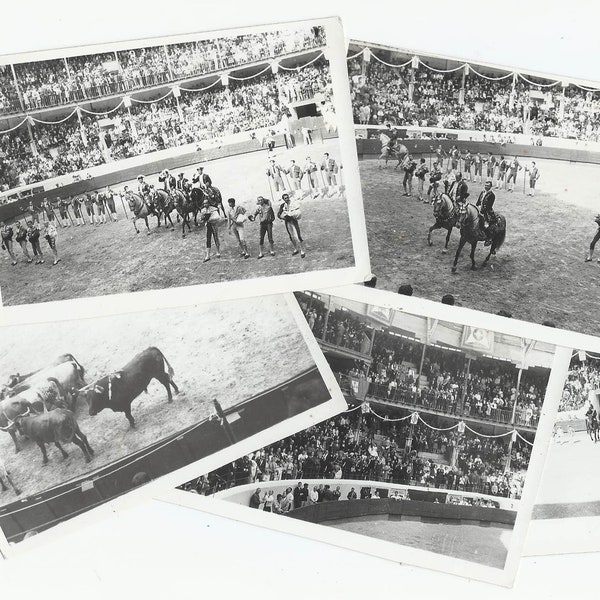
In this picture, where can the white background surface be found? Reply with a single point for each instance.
(158, 550)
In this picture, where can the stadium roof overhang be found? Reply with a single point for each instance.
(474, 342)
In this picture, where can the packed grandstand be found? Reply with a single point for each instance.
(583, 377)
(487, 392)
(187, 107)
(397, 87)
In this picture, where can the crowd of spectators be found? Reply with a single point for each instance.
(73, 79)
(487, 391)
(357, 447)
(582, 378)
(424, 97)
(77, 144)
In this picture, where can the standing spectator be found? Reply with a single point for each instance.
(274, 172)
(50, 234)
(330, 169)
(21, 238)
(77, 212)
(267, 217)
(236, 218)
(255, 499)
(210, 214)
(110, 204)
(290, 212)
(513, 169)
(534, 175)
(502, 168)
(33, 234)
(295, 172)
(6, 233)
(409, 167)
(421, 172)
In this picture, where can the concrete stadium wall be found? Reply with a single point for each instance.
(241, 494)
(369, 148)
(325, 512)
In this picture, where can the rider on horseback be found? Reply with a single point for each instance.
(458, 190)
(487, 216)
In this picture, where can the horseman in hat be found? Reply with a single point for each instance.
(458, 190)
(487, 216)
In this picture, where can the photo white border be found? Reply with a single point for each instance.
(258, 286)
(292, 425)
(396, 552)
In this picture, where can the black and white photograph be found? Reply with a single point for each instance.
(92, 409)
(435, 462)
(566, 517)
(479, 183)
(180, 161)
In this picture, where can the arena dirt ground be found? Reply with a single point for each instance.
(569, 479)
(538, 275)
(111, 258)
(482, 545)
(220, 351)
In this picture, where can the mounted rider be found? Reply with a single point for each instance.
(143, 187)
(458, 190)
(167, 181)
(487, 216)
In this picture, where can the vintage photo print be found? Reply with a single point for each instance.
(479, 183)
(174, 162)
(93, 409)
(566, 517)
(435, 462)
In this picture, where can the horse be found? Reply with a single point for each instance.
(471, 232)
(140, 210)
(592, 426)
(446, 216)
(213, 195)
(186, 205)
(164, 204)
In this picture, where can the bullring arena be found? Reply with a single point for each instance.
(469, 109)
(204, 345)
(433, 451)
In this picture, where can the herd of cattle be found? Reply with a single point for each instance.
(41, 405)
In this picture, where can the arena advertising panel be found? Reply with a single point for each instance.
(97, 412)
(468, 172)
(209, 165)
(436, 461)
(566, 517)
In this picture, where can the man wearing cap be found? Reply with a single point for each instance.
(458, 189)
(182, 183)
(296, 174)
(485, 203)
(200, 179)
(167, 181)
(289, 211)
(310, 170)
(274, 172)
(143, 188)
(265, 211)
(330, 169)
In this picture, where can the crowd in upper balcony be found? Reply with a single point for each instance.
(582, 379)
(470, 101)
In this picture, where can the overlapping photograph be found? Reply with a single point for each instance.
(437, 459)
(172, 162)
(478, 183)
(566, 518)
(99, 409)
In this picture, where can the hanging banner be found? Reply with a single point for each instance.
(582, 356)
(415, 62)
(225, 79)
(274, 68)
(127, 102)
(461, 427)
(365, 408)
(475, 338)
(414, 418)
(383, 315)
(367, 55)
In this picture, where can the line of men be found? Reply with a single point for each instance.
(326, 185)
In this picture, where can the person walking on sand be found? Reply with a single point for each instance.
(267, 216)
(289, 211)
(50, 234)
(21, 237)
(6, 233)
(33, 234)
(236, 217)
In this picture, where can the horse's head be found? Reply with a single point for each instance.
(131, 201)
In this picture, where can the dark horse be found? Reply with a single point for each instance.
(140, 210)
(164, 205)
(592, 426)
(186, 205)
(471, 232)
(446, 216)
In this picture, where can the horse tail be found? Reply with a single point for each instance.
(501, 233)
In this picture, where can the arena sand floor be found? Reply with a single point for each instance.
(538, 275)
(111, 258)
(212, 349)
(482, 545)
(570, 484)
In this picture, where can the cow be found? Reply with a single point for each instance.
(119, 389)
(17, 383)
(68, 374)
(54, 427)
(10, 409)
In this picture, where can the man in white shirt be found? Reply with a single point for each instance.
(290, 212)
